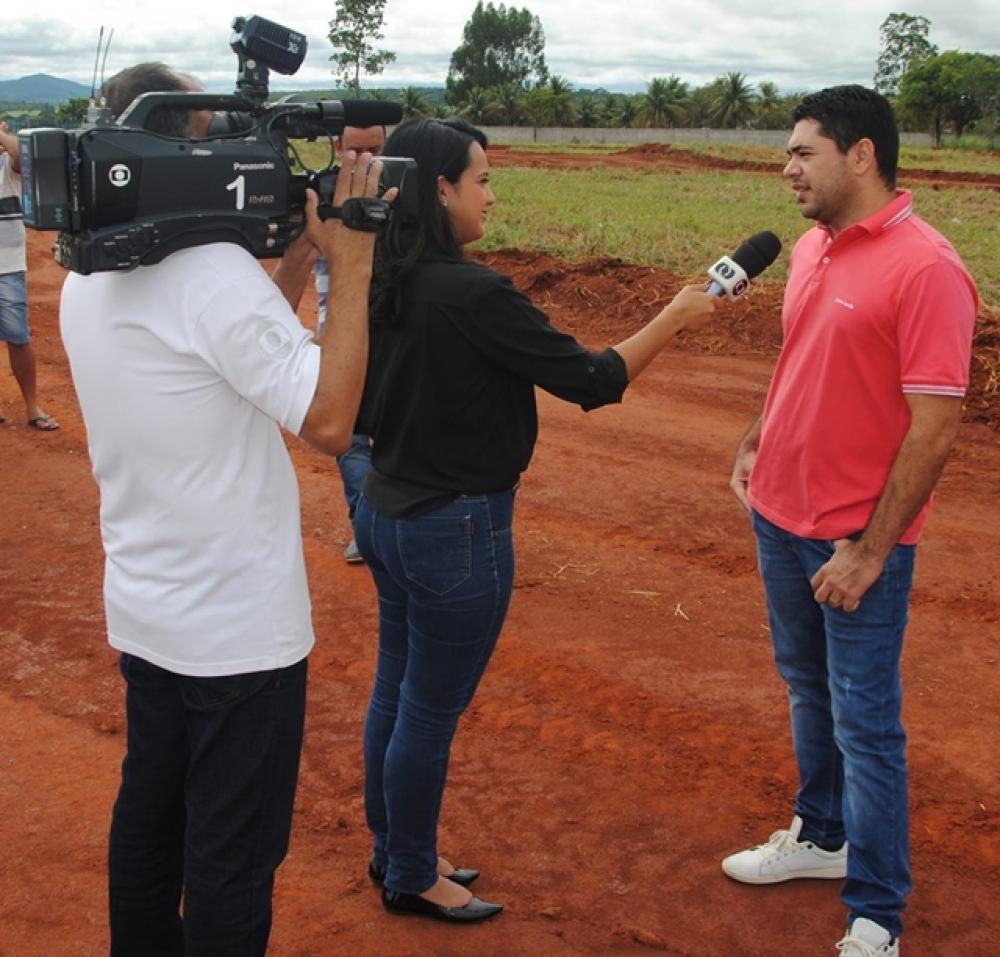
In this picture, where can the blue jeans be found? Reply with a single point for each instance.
(444, 582)
(354, 465)
(14, 309)
(204, 809)
(844, 689)
(357, 460)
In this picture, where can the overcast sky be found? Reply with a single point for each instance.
(615, 44)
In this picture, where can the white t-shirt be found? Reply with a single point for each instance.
(12, 256)
(183, 370)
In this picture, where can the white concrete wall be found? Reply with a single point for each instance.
(515, 135)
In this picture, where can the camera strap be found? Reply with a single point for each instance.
(365, 213)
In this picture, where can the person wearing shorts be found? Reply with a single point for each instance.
(13, 284)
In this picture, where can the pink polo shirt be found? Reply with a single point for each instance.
(884, 309)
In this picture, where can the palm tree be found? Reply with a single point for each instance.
(588, 111)
(506, 99)
(610, 107)
(563, 109)
(413, 103)
(768, 97)
(477, 105)
(772, 113)
(663, 102)
(734, 105)
(628, 112)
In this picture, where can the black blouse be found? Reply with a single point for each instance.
(449, 398)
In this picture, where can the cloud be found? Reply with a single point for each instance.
(802, 45)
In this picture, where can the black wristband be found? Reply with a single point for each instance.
(365, 213)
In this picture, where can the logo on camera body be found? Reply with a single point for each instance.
(120, 175)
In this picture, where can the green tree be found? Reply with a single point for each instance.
(951, 89)
(700, 103)
(628, 112)
(72, 112)
(506, 100)
(589, 111)
(354, 32)
(562, 108)
(610, 107)
(930, 92)
(768, 97)
(983, 80)
(499, 45)
(902, 42)
(663, 102)
(734, 105)
(413, 102)
(773, 112)
(477, 105)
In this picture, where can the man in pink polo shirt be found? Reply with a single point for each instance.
(837, 473)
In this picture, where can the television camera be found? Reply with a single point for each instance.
(122, 195)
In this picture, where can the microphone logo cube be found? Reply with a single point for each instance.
(730, 276)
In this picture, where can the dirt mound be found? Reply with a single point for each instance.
(605, 298)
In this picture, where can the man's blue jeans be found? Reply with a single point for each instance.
(842, 672)
(444, 582)
(354, 465)
(204, 809)
(357, 460)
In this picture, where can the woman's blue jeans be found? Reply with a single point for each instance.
(844, 689)
(444, 582)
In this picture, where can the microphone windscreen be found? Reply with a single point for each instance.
(757, 253)
(371, 113)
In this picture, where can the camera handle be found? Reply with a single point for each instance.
(365, 213)
(140, 109)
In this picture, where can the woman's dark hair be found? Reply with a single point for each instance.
(847, 114)
(441, 148)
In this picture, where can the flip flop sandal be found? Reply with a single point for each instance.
(44, 423)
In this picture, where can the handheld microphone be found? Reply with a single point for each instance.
(731, 275)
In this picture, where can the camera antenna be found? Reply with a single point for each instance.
(97, 58)
(107, 47)
(97, 112)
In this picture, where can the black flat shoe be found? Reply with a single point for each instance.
(461, 875)
(476, 910)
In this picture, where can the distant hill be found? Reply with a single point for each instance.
(41, 88)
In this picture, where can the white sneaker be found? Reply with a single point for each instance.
(868, 939)
(784, 857)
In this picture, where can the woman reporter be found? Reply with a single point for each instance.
(456, 353)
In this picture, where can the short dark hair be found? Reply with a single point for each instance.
(847, 114)
(441, 148)
(125, 86)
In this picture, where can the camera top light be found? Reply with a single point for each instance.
(271, 44)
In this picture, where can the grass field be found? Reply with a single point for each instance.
(966, 159)
(683, 221)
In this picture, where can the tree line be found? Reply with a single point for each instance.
(498, 74)
(933, 90)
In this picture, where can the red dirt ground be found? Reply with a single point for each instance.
(630, 731)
